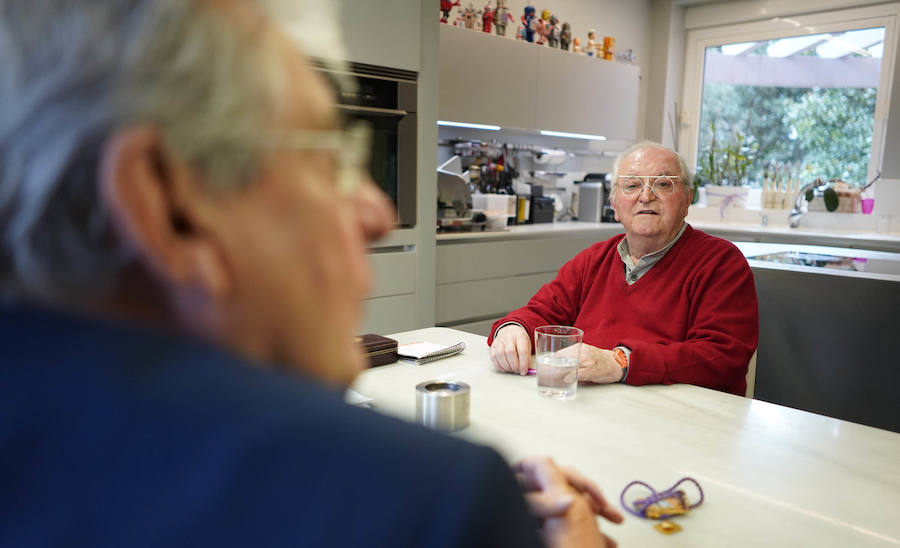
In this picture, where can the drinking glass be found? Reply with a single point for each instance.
(883, 223)
(556, 351)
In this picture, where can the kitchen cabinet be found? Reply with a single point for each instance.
(384, 33)
(825, 345)
(489, 79)
(482, 276)
(391, 305)
(404, 35)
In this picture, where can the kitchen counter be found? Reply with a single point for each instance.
(540, 230)
(729, 231)
(890, 260)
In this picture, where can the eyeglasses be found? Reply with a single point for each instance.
(351, 144)
(660, 185)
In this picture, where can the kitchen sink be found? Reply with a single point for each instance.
(821, 260)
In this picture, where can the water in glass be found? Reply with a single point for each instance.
(557, 376)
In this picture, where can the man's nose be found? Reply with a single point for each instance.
(646, 193)
(374, 210)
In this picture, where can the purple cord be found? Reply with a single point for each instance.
(656, 497)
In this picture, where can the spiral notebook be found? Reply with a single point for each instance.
(424, 352)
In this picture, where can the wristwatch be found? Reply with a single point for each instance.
(622, 355)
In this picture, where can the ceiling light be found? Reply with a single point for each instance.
(573, 135)
(464, 124)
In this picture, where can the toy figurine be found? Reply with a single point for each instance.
(526, 31)
(555, 33)
(469, 16)
(543, 27)
(576, 46)
(591, 46)
(609, 48)
(487, 18)
(565, 37)
(501, 17)
(446, 8)
(539, 31)
(627, 56)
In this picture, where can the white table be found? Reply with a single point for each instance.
(773, 476)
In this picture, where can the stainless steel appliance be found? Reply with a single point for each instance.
(385, 98)
(590, 201)
(455, 199)
(593, 199)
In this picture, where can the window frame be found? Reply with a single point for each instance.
(882, 15)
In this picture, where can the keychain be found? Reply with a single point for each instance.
(662, 505)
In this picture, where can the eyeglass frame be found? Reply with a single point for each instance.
(646, 184)
(352, 145)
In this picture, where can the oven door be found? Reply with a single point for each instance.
(392, 164)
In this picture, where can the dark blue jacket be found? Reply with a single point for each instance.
(115, 436)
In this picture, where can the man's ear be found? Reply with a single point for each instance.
(148, 194)
(690, 199)
(612, 203)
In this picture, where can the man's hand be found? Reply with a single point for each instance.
(598, 365)
(511, 350)
(567, 501)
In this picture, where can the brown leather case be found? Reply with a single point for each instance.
(379, 350)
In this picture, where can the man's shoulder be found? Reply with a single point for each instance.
(219, 449)
(152, 378)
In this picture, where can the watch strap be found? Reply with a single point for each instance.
(623, 358)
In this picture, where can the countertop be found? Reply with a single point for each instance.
(752, 249)
(540, 230)
(771, 475)
(730, 231)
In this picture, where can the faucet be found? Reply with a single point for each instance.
(797, 211)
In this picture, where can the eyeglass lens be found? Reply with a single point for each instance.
(660, 186)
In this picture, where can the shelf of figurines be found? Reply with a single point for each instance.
(534, 87)
(541, 29)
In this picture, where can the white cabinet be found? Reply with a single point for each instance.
(581, 94)
(486, 79)
(383, 33)
(480, 280)
(494, 80)
(391, 306)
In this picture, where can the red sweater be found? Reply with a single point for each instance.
(692, 318)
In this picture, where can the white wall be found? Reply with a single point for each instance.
(665, 73)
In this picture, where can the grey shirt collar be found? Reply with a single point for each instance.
(634, 271)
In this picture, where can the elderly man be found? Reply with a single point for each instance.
(184, 249)
(663, 303)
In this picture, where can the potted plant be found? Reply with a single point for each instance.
(723, 170)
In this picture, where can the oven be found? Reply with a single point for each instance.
(385, 98)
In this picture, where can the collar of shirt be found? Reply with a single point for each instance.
(634, 271)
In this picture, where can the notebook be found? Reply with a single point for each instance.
(425, 352)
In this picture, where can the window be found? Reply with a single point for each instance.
(796, 98)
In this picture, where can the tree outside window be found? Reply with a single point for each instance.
(800, 107)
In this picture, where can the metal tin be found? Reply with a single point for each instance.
(443, 405)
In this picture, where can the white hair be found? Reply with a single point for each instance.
(687, 178)
(74, 71)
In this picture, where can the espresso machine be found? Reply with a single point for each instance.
(454, 207)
